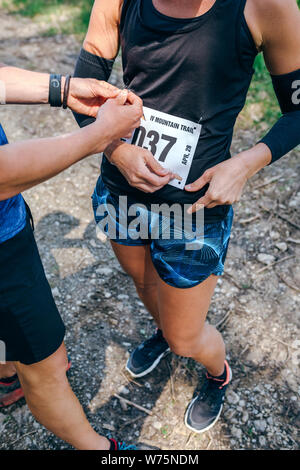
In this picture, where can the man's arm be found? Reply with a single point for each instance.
(275, 27)
(19, 86)
(23, 86)
(25, 164)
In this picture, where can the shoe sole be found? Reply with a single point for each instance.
(150, 369)
(211, 424)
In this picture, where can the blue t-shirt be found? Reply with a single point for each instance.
(12, 211)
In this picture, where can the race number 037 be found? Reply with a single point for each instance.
(154, 137)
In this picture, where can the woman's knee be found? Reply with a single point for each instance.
(145, 288)
(186, 345)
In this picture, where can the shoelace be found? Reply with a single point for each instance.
(149, 343)
(210, 393)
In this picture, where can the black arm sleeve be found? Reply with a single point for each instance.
(284, 136)
(91, 66)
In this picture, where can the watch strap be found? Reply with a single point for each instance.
(55, 91)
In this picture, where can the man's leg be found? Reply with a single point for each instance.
(53, 403)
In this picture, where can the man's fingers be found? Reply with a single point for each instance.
(105, 90)
(122, 97)
(134, 99)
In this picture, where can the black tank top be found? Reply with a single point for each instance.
(198, 69)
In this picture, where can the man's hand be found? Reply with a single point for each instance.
(86, 95)
(227, 179)
(139, 167)
(119, 117)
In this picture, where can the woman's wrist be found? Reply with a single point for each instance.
(96, 137)
(254, 159)
(111, 148)
(63, 82)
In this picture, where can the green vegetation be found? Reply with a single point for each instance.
(72, 16)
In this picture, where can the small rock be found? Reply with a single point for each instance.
(236, 432)
(260, 425)
(156, 425)
(282, 246)
(123, 405)
(104, 271)
(262, 441)
(229, 413)
(55, 292)
(265, 259)
(232, 397)
(274, 235)
(123, 390)
(245, 417)
(108, 426)
(295, 202)
(123, 297)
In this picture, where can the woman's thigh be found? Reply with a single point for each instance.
(136, 262)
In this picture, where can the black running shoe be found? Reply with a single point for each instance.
(204, 410)
(147, 355)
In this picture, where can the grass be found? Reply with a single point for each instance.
(261, 108)
(75, 21)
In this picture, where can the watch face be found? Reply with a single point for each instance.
(55, 83)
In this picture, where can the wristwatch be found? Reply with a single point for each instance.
(55, 91)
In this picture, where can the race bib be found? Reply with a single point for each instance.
(171, 140)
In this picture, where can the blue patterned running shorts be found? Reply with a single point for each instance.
(182, 260)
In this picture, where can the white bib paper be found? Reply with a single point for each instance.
(171, 140)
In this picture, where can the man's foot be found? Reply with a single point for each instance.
(204, 410)
(147, 355)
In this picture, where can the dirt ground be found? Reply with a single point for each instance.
(256, 305)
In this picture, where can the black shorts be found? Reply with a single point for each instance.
(30, 325)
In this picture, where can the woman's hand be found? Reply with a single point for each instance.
(227, 179)
(86, 95)
(118, 117)
(138, 166)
